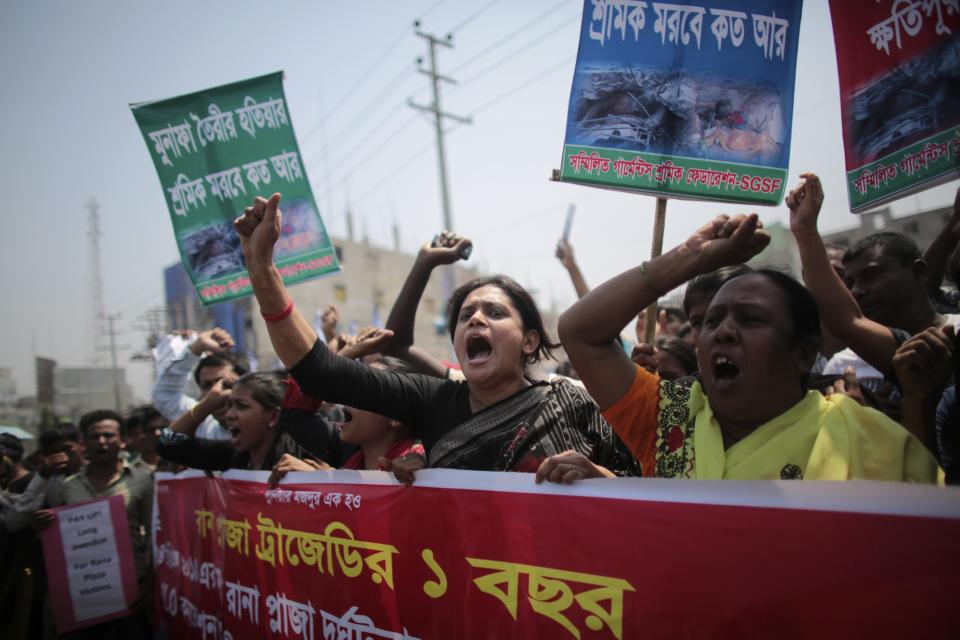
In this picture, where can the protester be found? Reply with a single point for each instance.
(887, 288)
(108, 474)
(25, 590)
(267, 417)
(675, 358)
(750, 417)
(669, 321)
(566, 257)
(447, 248)
(495, 420)
(214, 373)
(924, 365)
(14, 477)
(140, 432)
(701, 290)
(379, 439)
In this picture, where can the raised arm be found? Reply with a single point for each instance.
(450, 248)
(589, 328)
(565, 254)
(838, 308)
(938, 253)
(291, 335)
(924, 364)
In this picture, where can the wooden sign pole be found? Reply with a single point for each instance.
(658, 225)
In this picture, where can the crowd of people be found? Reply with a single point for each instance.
(847, 375)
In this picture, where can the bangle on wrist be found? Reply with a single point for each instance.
(277, 317)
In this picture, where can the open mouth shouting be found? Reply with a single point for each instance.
(725, 371)
(479, 350)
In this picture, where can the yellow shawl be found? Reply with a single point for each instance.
(819, 438)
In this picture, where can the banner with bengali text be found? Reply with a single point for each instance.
(215, 150)
(899, 68)
(684, 100)
(354, 555)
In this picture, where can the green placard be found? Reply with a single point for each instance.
(215, 150)
(926, 163)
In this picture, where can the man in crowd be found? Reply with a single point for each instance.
(216, 371)
(140, 432)
(24, 573)
(107, 474)
(14, 477)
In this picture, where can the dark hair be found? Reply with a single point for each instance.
(11, 447)
(681, 350)
(893, 244)
(234, 359)
(57, 434)
(391, 364)
(267, 389)
(93, 417)
(522, 302)
(674, 312)
(801, 306)
(953, 268)
(706, 285)
(139, 417)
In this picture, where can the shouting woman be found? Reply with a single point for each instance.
(496, 419)
(751, 417)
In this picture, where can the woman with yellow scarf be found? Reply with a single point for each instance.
(750, 417)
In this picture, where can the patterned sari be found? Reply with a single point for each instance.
(520, 432)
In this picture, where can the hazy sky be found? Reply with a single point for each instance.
(69, 70)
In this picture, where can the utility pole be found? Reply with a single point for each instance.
(95, 310)
(438, 117)
(114, 370)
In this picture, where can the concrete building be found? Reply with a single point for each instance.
(363, 291)
(923, 227)
(78, 390)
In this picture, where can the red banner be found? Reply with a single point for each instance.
(354, 555)
(899, 90)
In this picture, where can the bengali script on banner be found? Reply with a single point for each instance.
(899, 68)
(354, 555)
(214, 151)
(685, 99)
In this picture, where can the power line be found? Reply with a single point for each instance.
(473, 17)
(525, 84)
(345, 173)
(363, 112)
(508, 37)
(512, 56)
(365, 75)
(407, 162)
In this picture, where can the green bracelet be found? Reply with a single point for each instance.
(643, 273)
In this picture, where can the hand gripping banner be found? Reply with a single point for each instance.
(354, 555)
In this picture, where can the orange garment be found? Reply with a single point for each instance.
(638, 408)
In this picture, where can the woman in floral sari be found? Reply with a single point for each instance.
(496, 420)
(751, 417)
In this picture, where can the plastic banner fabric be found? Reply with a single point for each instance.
(350, 554)
(215, 150)
(686, 100)
(899, 66)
